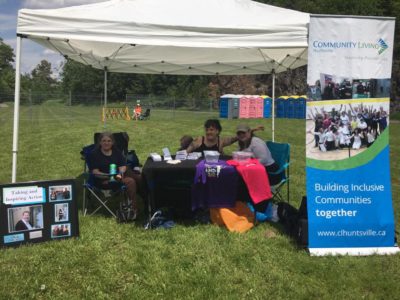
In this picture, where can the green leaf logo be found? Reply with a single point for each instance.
(382, 46)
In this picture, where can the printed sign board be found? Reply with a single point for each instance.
(37, 211)
(349, 197)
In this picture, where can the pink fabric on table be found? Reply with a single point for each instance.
(255, 177)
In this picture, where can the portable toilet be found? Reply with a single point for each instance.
(234, 107)
(291, 107)
(223, 106)
(255, 106)
(229, 106)
(252, 106)
(281, 106)
(267, 106)
(259, 107)
(244, 107)
(301, 107)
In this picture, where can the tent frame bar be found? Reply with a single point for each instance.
(352, 16)
(16, 109)
(273, 105)
(105, 96)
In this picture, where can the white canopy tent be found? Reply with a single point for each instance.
(177, 37)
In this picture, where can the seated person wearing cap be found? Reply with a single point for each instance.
(250, 143)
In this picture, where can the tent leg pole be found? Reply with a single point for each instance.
(16, 109)
(273, 105)
(105, 94)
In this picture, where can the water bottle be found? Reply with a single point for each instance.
(113, 171)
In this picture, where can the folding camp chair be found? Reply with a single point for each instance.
(281, 154)
(91, 190)
(146, 115)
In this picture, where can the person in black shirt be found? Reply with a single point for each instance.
(212, 141)
(66, 194)
(24, 223)
(101, 159)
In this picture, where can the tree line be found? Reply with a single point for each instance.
(83, 80)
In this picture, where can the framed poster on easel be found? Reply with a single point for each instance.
(37, 211)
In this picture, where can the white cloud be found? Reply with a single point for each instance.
(31, 53)
(49, 52)
(56, 3)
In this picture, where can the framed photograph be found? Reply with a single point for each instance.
(60, 230)
(61, 213)
(60, 193)
(25, 218)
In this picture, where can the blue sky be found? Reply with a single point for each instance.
(31, 53)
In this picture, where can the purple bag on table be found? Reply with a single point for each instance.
(215, 185)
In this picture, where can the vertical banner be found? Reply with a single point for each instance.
(349, 194)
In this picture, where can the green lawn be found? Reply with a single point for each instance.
(116, 261)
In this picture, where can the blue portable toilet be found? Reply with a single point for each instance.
(223, 107)
(267, 106)
(229, 106)
(281, 106)
(291, 105)
(301, 107)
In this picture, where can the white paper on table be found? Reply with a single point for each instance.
(155, 156)
(167, 154)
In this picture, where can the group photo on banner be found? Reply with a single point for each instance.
(349, 196)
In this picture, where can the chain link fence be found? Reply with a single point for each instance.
(130, 100)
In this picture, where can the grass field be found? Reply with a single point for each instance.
(113, 261)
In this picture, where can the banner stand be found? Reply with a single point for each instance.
(349, 191)
(354, 251)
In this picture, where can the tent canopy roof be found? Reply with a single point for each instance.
(187, 37)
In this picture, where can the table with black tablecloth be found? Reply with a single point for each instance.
(169, 185)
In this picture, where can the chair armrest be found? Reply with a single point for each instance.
(101, 176)
(281, 169)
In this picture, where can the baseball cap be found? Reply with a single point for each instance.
(242, 128)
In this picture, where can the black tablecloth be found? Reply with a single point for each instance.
(170, 185)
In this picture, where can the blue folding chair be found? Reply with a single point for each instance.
(281, 154)
(94, 192)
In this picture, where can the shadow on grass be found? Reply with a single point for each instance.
(176, 209)
(94, 207)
